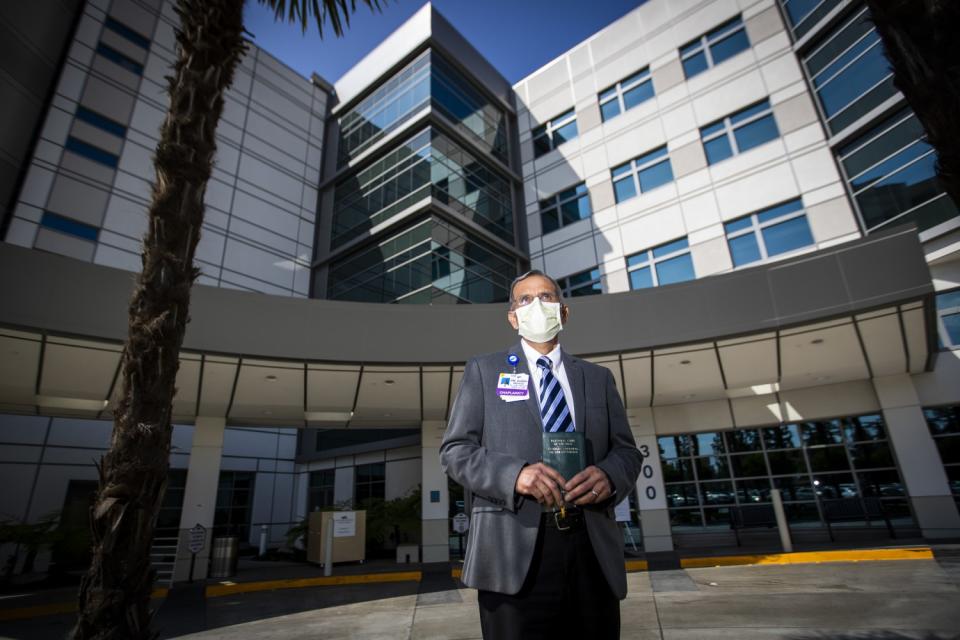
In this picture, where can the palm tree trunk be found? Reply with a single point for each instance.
(114, 595)
(921, 42)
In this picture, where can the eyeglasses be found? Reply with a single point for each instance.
(546, 296)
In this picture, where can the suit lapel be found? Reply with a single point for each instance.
(575, 377)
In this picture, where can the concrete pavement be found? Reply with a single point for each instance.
(879, 600)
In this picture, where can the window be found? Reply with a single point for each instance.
(116, 57)
(69, 226)
(369, 484)
(551, 135)
(126, 32)
(101, 122)
(890, 171)
(948, 318)
(944, 424)
(849, 71)
(665, 264)
(321, 489)
(739, 132)
(565, 208)
(767, 233)
(705, 474)
(642, 174)
(626, 94)
(91, 152)
(803, 15)
(234, 504)
(585, 283)
(714, 47)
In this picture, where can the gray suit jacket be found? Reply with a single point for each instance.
(488, 441)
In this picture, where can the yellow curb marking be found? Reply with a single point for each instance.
(636, 565)
(851, 555)
(216, 590)
(56, 608)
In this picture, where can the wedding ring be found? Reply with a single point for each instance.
(594, 492)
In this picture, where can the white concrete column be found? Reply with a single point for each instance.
(436, 499)
(920, 463)
(651, 494)
(200, 495)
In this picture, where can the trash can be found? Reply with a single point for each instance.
(223, 556)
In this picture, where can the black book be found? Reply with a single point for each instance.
(565, 452)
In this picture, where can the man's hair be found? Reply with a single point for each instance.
(528, 274)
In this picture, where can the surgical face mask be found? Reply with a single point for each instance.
(539, 321)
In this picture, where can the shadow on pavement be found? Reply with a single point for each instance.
(875, 635)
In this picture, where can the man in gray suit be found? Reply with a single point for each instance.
(544, 551)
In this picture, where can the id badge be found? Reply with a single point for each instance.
(513, 386)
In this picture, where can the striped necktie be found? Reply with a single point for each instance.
(553, 406)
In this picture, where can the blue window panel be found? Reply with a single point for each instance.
(948, 299)
(549, 221)
(707, 131)
(624, 189)
(541, 145)
(895, 194)
(756, 133)
(115, 56)
(574, 210)
(640, 93)
(667, 249)
(118, 27)
(565, 133)
(679, 269)
(641, 279)
(640, 258)
(951, 323)
(729, 46)
(68, 226)
(737, 225)
(623, 169)
(717, 149)
(637, 76)
(787, 236)
(655, 176)
(91, 152)
(612, 91)
(901, 158)
(695, 64)
(609, 110)
(652, 155)
(724, 28)
(744, 249)
(779, 210)
(101, 122)
(826, 74)
(749, 112)
(797, 10)
(855, 81)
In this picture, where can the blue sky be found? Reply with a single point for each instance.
(516, 36)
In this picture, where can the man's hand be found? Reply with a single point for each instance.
(588, 487)
(542, 483)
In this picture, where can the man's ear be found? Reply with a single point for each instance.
(564, 313)
(512, 319)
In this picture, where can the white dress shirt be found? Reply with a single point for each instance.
(557, 369)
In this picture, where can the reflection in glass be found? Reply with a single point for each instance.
(835, 485)
(881, 483)
(828, 459)
(748, 464)
(784, 436)
(821, 432)
(712, 467)
(744, 440)
(753, 491)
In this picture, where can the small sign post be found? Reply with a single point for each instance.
(198, 538)
(460, 525)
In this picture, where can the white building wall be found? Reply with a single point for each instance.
(261, 199)
(701, 197)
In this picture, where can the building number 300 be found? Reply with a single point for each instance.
(647, 471)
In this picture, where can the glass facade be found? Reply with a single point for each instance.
(551, 135)
(811, 462)
(234, 504)
(427, 80)
(739, 132)
(427, 164)
(584, 283)
(948, 319)
(370, 484)
(431, 262)
(849, 71)
(890, 172)
(803, 15)
(768, 233)
(642, 174)
(944, 423)
(321, 489)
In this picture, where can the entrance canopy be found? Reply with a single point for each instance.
(851, 312)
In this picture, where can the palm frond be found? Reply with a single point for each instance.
(336, 12)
